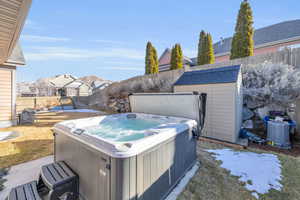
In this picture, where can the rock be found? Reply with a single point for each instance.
(248, 124)
(247, 113)
(112, 104)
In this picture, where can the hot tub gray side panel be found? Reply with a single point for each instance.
(123, 178)
(89, 164)
(147, 176)
(160, 168)
(152, 174)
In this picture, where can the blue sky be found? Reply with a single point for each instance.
(108, 38)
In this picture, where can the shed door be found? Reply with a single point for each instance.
(5, 94)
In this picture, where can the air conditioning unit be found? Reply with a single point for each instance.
(279, 134)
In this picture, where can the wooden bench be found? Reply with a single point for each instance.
(26, 191)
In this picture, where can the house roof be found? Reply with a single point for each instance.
(165, 58)
(16, 57)
(210, 76)
(97, 84)
(62, 80)
(75, 84)
(13, 15)
(277, 32)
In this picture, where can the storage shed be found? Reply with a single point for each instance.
(223, 87)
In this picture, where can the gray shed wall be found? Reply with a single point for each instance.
(223, 108)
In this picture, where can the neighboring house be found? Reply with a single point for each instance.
(165, 61)
(100, 85)
(25, 90)
(60, 81)
(75, 88)
(13, 15)
(266, 40)
(60, 85)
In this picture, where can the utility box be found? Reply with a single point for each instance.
(27, 116)
(279, 134)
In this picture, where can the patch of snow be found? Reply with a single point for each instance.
(4, 135)
(183, 183)
(260, 172)
(80, 110)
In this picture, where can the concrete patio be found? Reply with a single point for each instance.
(23, 173)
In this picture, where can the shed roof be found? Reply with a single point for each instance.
(210, 76)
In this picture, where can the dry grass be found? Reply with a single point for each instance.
(35, 141)
(215, 183)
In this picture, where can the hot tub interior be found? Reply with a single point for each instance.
(129, 127)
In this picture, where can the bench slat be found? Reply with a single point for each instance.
(28, 192)
(13, 194)
(48, 175)
(54, 173)
(34, 190)
(66, 169)
(60, 170)
(20, 193)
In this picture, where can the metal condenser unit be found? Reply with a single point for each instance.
(279, 134)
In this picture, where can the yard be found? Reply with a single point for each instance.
(211, 182)
(35, 141)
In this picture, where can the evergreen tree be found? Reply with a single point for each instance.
(205, 49)
(173, 58)
(151, 60)
(154, 67)
(147, 58)
(210, 50)
(176, 57)
(242, 42)
(200, 48)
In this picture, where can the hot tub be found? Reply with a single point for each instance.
(127, 156)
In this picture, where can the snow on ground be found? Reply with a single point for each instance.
(260, 172)
(4, 135)
(183, 182)
(80, 110)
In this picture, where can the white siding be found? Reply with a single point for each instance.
(221, 111)
(84, 90)
(6, 94)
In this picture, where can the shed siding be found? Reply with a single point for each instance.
(220, 120)
(6, 96)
